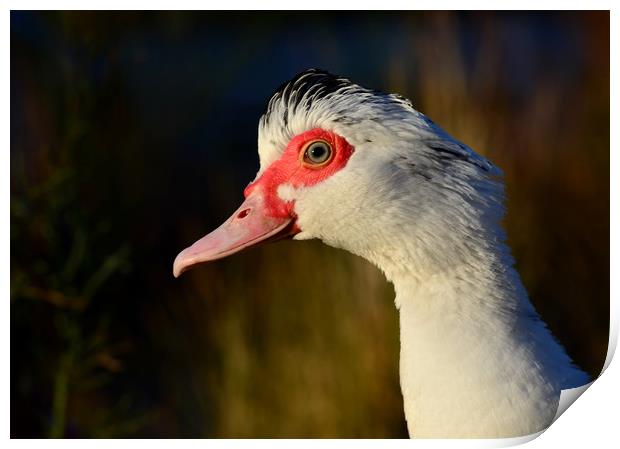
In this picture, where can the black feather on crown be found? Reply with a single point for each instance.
(308, 86)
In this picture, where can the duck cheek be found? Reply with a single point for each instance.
(312, 222)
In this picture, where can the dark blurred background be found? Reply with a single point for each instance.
(133, 134)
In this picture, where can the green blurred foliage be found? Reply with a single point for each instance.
(133, 134)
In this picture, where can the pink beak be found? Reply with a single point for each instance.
(247, 226)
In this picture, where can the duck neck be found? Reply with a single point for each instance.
(474, 355)
(476, 360)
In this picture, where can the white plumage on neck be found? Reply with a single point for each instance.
(476, 361)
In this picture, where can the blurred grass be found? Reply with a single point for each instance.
(286, 346)
(134, 134)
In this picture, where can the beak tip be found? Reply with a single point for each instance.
(178, 267)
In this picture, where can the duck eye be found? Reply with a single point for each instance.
(318, 153)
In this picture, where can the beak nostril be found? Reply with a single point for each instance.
(244, 213)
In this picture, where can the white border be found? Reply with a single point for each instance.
(315, 4)
(592, 421)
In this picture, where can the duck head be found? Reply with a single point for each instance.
(351, 166)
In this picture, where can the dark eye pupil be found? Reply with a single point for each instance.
(317, 151)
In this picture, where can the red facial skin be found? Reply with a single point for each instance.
(291, 169)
